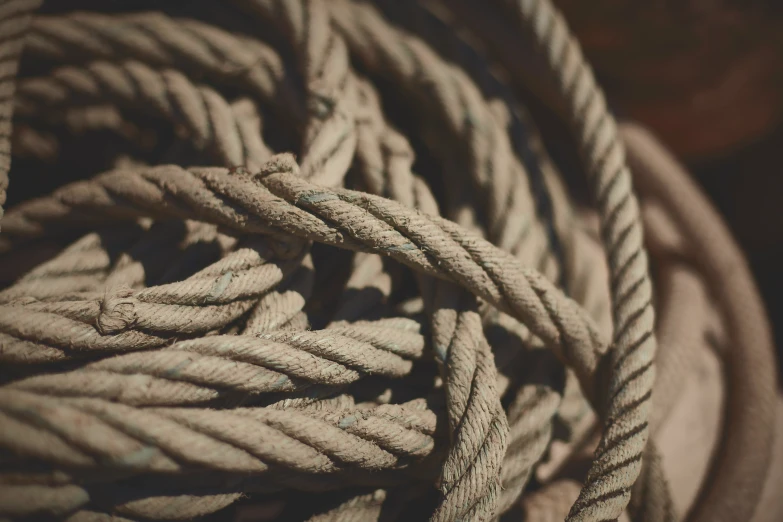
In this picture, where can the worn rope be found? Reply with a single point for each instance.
(464, 111)
(125, 319)
(205, 369)
(618, 458)
(531, 413)
(15, 16)
(160, 41)
(405, 307)
(457, 337)
(751, 364)
(208, 120)
(292, 205)
(247, 442)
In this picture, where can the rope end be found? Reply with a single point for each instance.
(118, 311)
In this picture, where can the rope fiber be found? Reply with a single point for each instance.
(327, 270)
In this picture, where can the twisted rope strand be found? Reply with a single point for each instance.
(479, 427)
(329, 134)
(15, 16)
(134, 320)
(163, 367)
(388, 437)
(470, 476)
(201, 370)
(255, 440)
(618, 459)
(528, 440)
(279, 198)
(738, 471)
(209, 120)
(80, 267)
(159, 41)
(464, 112)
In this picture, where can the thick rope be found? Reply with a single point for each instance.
(751, 368)
(532, 413)
(83, 266)
(206, 369)
(330, 134)
(470, 477)
(205, 340)
(464, 112)
(618, 458)
(126, 319)
(15, 16)
(527, 448)
(159, 41)
(471, 474)
(430, 245)
(208, 120)
(247, 442)
(386, 436)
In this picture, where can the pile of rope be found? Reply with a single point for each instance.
(310, 259)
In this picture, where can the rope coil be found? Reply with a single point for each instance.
(349, 273)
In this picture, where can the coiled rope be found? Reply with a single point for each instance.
(14, 19)
(350, 271)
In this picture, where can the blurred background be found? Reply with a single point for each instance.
(707, 77)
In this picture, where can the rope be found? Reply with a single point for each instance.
(329, 135)
(134, 320)
(743, 456)
(15, 16)
(157, 40)
(464, 112)
(291, 205)
(345, 283)
(619, 455)
(201, 370)
(229, 131)
(373, 440)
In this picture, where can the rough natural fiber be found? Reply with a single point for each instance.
(326, 270)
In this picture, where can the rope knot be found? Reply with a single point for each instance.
(118, 311)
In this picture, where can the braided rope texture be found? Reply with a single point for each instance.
(619, 456)
(15, 16)
(327, 271)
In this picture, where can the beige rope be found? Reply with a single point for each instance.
(191, 372)
(125, 319)
(463, 111)
(15, 16)
(742, 461)
(208, 120)
(618, 458)
(160, 41)
(504, 282)
(396, 318)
